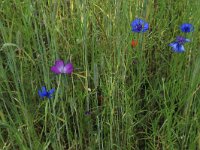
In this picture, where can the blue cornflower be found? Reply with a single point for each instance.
(139, 25)
(44, 93)
(187, 27)
(177, 46)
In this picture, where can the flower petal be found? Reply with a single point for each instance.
(140, 21)
(180, 48)
(51, 91)
(135, 22)
(44, 89)
(58, 67)
(187, 40)
(68, 68)
(134, 43)
(177, 47)
(146, 27)
(59, 63)
(173, 44)
(55, 70)
(40, 94)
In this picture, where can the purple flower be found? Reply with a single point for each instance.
(187, 27)
(177, 46)
(44, 93)
(139, 25)
(88, 113)
(60, 67)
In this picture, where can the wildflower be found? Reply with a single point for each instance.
(134, 43)
(187, 27)
(139, 25)
(177, 46)
(88, 113)
(60, 67)
(44, 93)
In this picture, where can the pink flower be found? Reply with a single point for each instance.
(60, 67)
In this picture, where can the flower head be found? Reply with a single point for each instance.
(139, 25)
(177, 46)
(88, 113)
(181, 40)
(44, 93)
(134, 43)
(187, 27)
(60, 67)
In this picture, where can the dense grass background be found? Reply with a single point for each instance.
(118, 97)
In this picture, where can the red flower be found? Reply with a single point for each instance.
(134, 43)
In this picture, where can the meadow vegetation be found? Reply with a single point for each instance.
(119, 96)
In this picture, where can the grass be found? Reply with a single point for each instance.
(145, 97)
